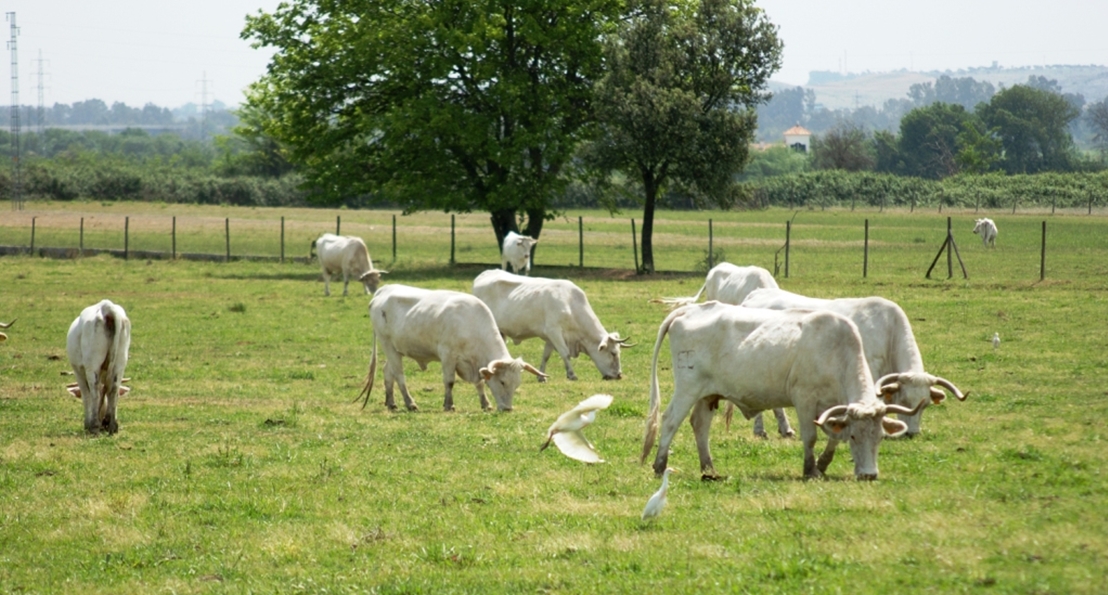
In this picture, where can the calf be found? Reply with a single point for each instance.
(516, 251)
(987, 230)
(97, 345)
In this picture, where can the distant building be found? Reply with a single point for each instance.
(798, 138)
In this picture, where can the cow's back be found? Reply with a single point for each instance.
(523, 305)
(421, 322)
(731, 284)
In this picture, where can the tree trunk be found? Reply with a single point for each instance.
(651, 190)
(503, 221)
(535, 219)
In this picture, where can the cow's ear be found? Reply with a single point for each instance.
(835, 427)
(937, 396)
(486, 373)
(893, 427)
(74, 390)
(603, 345)
(124, 390)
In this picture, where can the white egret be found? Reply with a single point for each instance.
(657, 502)
(566, 430)
(996, 340)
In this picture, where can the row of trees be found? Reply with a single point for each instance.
(1021, 129)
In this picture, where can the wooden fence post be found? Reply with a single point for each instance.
(282, 239)
(394, 238)
(126, 238)
(865, 253)
(949, 253)
(174, 240)
(634, 246)
(227, 234)
(338, 225)
(788, 233)
(33, 234)
(451, 239)
(580, 243)
(1042, 256)
(710, 255)
(81, 244)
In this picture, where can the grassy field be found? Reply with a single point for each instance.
(242, 465)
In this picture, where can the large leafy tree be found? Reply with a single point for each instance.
(676, 106)
(1033, 126)
(448, 104)
(846, 146)
(1097, 116)
(928, 144)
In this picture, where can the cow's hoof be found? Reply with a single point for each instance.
(762, 435)
(412, 407)
(789, 434)
(571, 378)
(712, 476)
(448, 410)
(542, 379)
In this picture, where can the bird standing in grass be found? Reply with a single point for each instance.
(657, 502)
(996, 340)
(566, 430)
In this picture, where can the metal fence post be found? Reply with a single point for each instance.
(580, 243)
(338, 225)
(81, 244)
(710, 255)
(865, 253)
(126, 238)
(33, 234)
(788, 234)
(174, 235)
(394, 238)
(227, 234)
(451, 240)
(1042, 256)
(282, 239)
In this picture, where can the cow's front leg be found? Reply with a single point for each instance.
(345, 282)
(759, 427)
(547, 350)
(701, 421)
(828, 454)
(485, 404)
(559, 345)
(326, 284)
(449, 374)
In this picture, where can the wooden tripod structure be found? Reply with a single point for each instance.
(951, 249)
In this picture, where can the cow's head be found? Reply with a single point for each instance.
(864, 424)
(979, 225)
(372, 280)
(915, 390)
(606, 356)
(503, 377)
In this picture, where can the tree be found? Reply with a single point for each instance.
(846, 147)
(785, 109)
(1033, 126)
(450, 105)
(676, 105)
(1097, 115)
(928, 143)
(966, 92)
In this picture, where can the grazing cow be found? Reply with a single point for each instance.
(890, 347)
(4, 337)
(349, 256)
(731, 284)
(987, 230)
(761, 359)
(554, 310)
(97, 345)
(516, 251)
(451, 327)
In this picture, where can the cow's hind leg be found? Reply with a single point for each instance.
(677, 411)
(547, 350)
(760, 426)
(449, 375)
(783, 426)
(559, 345)
(90, 399)
(701, 421)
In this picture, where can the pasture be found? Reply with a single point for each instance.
(242, 465)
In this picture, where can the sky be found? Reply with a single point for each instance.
(174, 53)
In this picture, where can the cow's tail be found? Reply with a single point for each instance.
(655, 394)
(368, 388)
(119, 328)
(675, 303)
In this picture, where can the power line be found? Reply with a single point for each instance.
(17, 178)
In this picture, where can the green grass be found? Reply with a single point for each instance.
(242, 464)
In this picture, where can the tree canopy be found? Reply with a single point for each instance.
(1033, 127)
(452, 105)
(676, 103)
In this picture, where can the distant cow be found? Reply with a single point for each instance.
(516, 251)
(891, 351)
(4, 337)
(987, 230)
(554, 310)
(731, 284)
(761, 359)
(97, 345)
(451, 327)
(349, 256)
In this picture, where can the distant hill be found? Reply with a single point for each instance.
(852, 90)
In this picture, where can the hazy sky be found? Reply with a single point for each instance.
(152, 51)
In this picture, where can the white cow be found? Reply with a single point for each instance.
(516, 251)
(987, 230)
(451, 327)
(97, 344)
(349, 256)
(761, 359)
(555, 311)
(890, 347)
(731, 284)
(4, 337)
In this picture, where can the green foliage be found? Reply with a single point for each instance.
(675, 106)
(845, 147)
(1033, 126)
(774, 161)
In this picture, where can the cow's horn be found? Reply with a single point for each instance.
(9, 325)
(625, 342)
(904, 410)
(887, 378)
(837, 409)
(534, 370)
(948, 385)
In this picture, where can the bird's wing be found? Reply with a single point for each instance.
(593, 403)
(574, 446)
